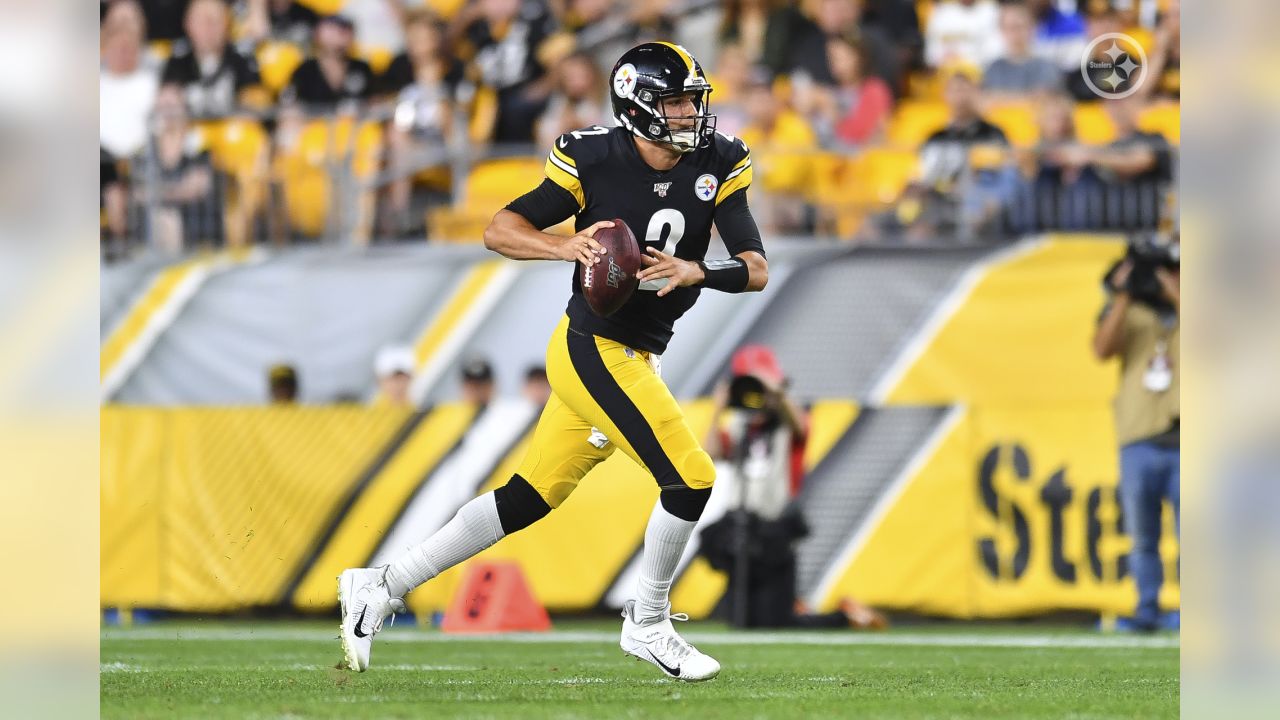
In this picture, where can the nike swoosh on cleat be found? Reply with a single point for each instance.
(675, 672)
(358, 631)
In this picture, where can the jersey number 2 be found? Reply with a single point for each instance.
(669, 222)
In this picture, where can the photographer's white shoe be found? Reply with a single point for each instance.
(660, 644)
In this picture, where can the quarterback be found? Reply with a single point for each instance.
(669, 175)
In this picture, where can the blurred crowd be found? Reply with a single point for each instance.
(235, 122)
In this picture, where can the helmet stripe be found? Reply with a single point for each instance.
(684, 55)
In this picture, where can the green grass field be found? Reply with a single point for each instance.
(276, 670)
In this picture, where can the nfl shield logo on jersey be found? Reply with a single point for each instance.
(661, 188)
(705, 187)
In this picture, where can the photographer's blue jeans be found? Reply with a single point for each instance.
(1149, 474)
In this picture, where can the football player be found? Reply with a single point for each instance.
(669, 175)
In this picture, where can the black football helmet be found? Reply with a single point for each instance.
(646, 74)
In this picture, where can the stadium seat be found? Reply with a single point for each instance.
(276, 63)
(1093, 125)
(306, 171)
(379, 58)
(914, 121)
(1165, 119)
(1017, 120)
(324, 7)
(488, 188)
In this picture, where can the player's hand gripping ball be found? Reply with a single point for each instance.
(609, 283)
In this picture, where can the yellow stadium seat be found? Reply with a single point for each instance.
(306, 170)
(324, 7)
(915, 120)
(488, 187)
(276, 63)
(1165, 119)
(379, 58)
(872, 179)
(446, 9)
(1093, 125)
(1017, 120)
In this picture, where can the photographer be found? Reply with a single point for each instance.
(1140, 326)
(758, 438)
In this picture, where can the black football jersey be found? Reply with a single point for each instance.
(671, 210)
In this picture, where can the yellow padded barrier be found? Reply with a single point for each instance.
(373, 513)
(213, 509)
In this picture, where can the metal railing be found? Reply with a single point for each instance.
(327, 179)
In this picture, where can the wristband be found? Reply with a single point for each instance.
(729, 276)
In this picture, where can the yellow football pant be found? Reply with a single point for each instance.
(601, 383)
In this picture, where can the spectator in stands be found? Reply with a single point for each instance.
(730, 82)
(216, 78)
(113, 200)
(954, 197)
(280, 20)
(183, 203)
(426, 59)
(841, 18)
(501, 45)
(758, 27)
(127, 82)
(331, 79)
(424, 82)
(1017, 72)
(963, 31)
(1059, 191)
(393, 367)
(856, 108)
(1098, 22)
(781, 142)
(536, 388)
(1140, 325)
(606, 28)
(578, 101)
(899, 21)
(282, 384)
(1060, 34)
(1134, 157)
(1164, 78)
(165, 18)
(477, 382)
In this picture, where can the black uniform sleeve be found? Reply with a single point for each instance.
(737, 227)
(546, 205)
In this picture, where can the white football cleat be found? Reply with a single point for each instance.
(660, 644)
(364, 602)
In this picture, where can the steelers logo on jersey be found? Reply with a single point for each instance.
(624, 81)
(705, 186)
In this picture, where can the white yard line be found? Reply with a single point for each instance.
(710, 638)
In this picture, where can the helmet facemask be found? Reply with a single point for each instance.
(689, 132)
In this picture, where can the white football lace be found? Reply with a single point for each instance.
(397, 606)
(675, 647)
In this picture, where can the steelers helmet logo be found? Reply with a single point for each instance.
(705, 187)
(624, 81)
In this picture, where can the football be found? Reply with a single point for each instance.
(609, 283)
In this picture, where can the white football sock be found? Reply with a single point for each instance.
(475, 527)
(664, 542)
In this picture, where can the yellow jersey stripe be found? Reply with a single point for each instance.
(568, 160)
(558, 176)
(741, 162)
(376, 509)
(733, 184)
(686, 57)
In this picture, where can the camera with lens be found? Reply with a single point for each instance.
(1147, 253)
(746, 392)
